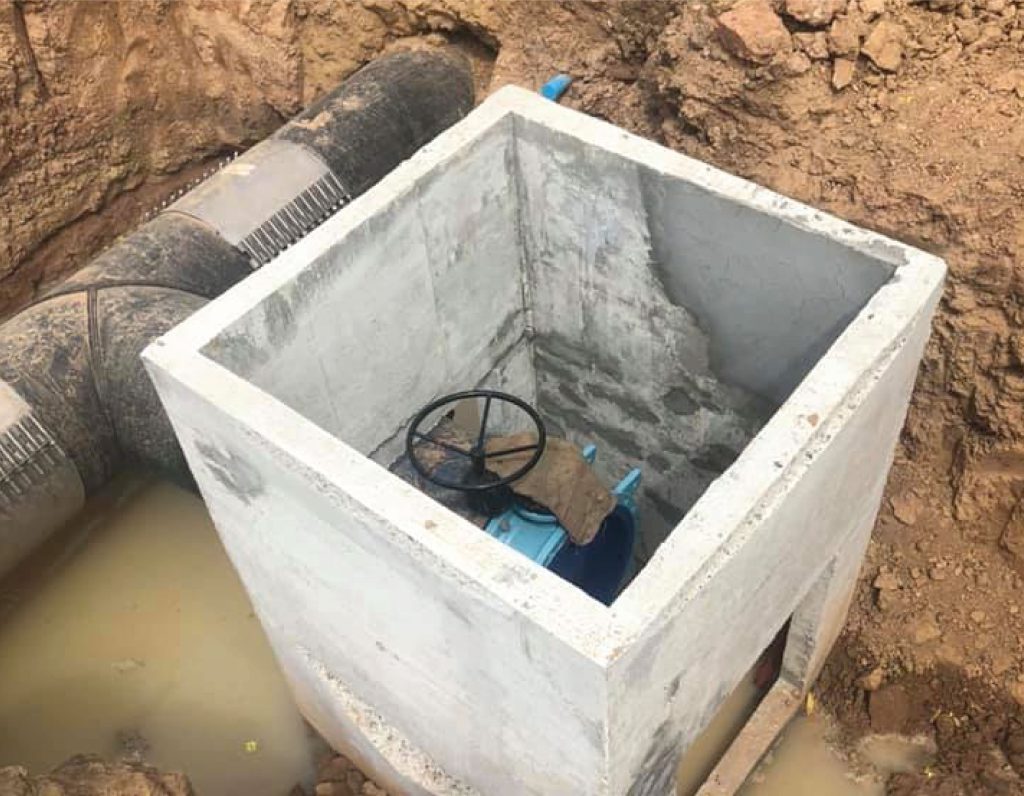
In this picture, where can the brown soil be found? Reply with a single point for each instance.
(88, 775)
(905, 118)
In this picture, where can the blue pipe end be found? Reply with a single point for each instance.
(555, 87)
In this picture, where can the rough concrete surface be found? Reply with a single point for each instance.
(554, 691)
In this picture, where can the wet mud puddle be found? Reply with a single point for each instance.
(131, 636)
(803, 762)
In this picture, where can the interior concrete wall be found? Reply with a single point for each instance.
(770, 308)
(619, 362)
(421, 300)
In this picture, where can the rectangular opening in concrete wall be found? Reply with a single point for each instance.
(639, 312)
(719, 736)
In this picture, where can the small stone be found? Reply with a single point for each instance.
(1007, 81)
(968, 31)
(950, 655)
(871, 8)
(1012, 539)
(924, 631)
(1017, 692)
(127, 665)
(816, 13)
(884, 45)
(938, 573)
(990, 34)
(1014, 610)
(1002, 662)
(369, 789)
(995, 6)
(796, 63)
(842, 73)
(888, 600)
(751, 30)
(906, 506)
(332, 789)
(844, 37)
(978, 617)
(886, 581)
(334, 769)
(355, 780)
(815, 44)
(872, 680)
(1016, 35)
(942, 5)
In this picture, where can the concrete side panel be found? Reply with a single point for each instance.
(668, 685)
(348, 597)
(423, 298)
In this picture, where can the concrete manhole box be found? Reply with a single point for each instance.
(753, 355)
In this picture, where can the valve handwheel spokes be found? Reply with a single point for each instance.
(478, 478)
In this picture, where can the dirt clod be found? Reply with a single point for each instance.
(751, 30)
(906, 507)
(872, 680)
(871, 8)
(814, 45)
(886, 581)
(924, 631)
(816, 13)
(884, 46)
(89, 775)
(844, 36)
(843, 71)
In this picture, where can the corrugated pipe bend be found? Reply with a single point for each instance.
(75, 402)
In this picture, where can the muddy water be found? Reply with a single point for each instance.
(132, 635)
(803, 764)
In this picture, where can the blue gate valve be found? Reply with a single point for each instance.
(599, 567)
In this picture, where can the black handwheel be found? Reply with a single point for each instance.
(481, 479)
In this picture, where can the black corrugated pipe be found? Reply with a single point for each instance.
(75, 402)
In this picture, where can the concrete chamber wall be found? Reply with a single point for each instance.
(424, 298)
(753, 356)
(669, 322)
